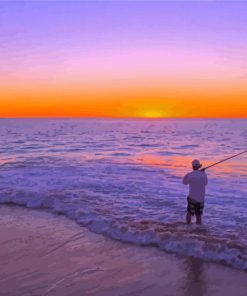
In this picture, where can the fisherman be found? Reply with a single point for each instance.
(197, 181)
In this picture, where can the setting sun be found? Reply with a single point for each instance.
(152, 114)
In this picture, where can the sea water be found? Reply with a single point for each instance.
(123, 178)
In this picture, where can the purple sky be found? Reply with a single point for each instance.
(113, 25)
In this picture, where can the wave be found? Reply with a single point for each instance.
(176, 237)
(187, 147)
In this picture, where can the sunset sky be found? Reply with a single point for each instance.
(123, 59)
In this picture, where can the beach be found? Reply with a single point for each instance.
(46, 254)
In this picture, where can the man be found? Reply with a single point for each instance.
(197, 181)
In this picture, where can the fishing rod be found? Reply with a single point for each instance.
(203, 169)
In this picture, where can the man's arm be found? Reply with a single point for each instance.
(186, 179)
(206, 179)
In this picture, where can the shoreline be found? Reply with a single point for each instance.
(46, 254)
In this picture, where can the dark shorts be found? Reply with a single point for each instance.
(195, 207)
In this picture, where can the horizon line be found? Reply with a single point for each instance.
(119, 117)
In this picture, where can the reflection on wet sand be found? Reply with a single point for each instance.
(195, 283)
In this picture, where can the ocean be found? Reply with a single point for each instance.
(122, 178)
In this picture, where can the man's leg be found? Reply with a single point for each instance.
(190, 209)
(199, 212)
(198, 219)
(188, 218)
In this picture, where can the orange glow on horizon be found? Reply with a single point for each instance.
(136, 99)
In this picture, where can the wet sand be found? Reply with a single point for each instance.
(46, 254)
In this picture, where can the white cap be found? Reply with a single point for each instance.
(196, 163)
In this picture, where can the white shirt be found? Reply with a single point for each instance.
(197, 181)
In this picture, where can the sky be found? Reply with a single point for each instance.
(123, 59)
